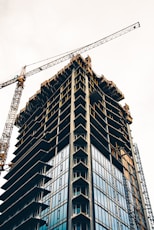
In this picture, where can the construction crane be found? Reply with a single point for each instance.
(6, 135)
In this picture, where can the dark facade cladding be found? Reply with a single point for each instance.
(73, 167)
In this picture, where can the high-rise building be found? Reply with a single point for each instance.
(74, 164)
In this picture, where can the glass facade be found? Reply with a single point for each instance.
(56, 214)
(109, 195)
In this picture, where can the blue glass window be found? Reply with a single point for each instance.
(58, 185)
(109, 194)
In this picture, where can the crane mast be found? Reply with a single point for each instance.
(8, 128)
(6, 135)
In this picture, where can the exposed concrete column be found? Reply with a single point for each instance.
(58, 122)
(89, 160)
(70, 208)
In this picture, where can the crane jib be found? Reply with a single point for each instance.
(77, 51)
(84, 49)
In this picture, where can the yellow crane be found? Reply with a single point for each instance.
(8, 127)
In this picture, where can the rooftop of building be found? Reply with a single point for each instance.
(51, 85)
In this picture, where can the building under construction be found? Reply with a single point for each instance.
(74, 166)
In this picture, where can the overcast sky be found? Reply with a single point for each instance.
(32, 30)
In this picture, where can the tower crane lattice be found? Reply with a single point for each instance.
(6, 135)
(147, 203)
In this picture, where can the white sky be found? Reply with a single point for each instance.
(33, 30)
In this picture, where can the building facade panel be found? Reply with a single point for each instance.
(109, 194)
(56, 213)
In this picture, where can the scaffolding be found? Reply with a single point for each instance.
(147, 203)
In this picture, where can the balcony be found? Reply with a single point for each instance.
(81, 218)
(35, 153)
(80, 129)
(25, 212)
(38, 166)
(30, 223)
(79, 91)
(79, 181)
(80, 119)
(80, 141)
(80, 198)
(80, 153)
(80, 166)
(80, 109)
(18, 204)
(12, 197)
(80, 101)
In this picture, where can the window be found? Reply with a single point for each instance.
(80, 173)
(61, 167)
(62, 155)
(77, 190)
(58, 214)
(76, 208)
(77, 227)
(60, 181)
(59, 197)
(108, 192)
